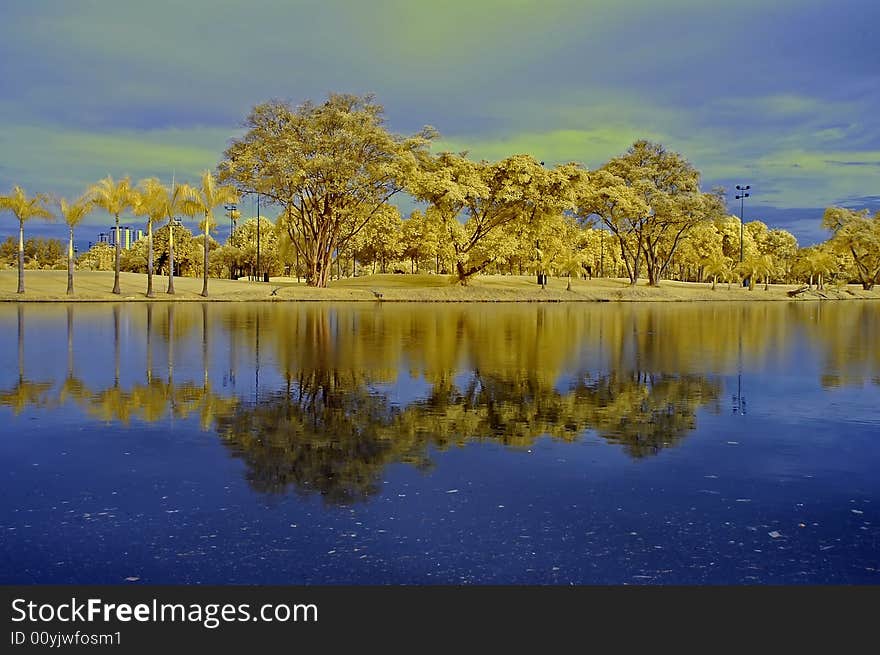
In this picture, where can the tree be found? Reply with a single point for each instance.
(114, 197)
(330, 167)
(857, 233)
(244, 241)
(156, 202)
(175, 250)
(754, 266)
(73, 214)
(100, 257)
(24, 209)
(489, 196)
(716, 264)
(208, 196)
(379, 241)
(650, 199)
(418, 240)
(150, 201)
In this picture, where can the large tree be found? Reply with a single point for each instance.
(858, 234)
(114, 197)
(475, 200)
(73, 214)
(330, 167)
(650, 199)
(24, 209)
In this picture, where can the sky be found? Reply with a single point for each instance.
(782, 96)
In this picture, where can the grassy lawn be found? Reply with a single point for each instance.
(96, 286)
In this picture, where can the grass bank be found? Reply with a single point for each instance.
(49, 286)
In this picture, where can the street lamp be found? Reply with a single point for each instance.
(259, 275)
(741, 196)
(232, 208)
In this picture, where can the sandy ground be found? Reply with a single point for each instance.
(46, 286)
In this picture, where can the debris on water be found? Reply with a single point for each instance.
(743, 500)
(733, 443)
(775, 534)
(856, 511)
(452, 491)
(802, 525)
(132, 578)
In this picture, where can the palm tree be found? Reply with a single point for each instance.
(114, 197)
(175, 202)
(717, 265)
(24, 209)
(822, 263)
(150, 200)
(754, 266)
(73, 214)
(206, 198)
(572, 264)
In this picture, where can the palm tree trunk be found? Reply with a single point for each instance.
(70, 264)
(118, 253)
(205, 272)
(20, 313)
(150, 293)
(149, 343)
(170, 257)
(21, 257)
(714, 281)
(69, 342)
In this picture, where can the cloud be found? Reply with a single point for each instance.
(783, 96)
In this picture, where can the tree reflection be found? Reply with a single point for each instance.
(341, 392)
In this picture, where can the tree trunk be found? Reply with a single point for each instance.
(150, 293)
(568, 287)
(205, 271)
(116, 289)
(462, 275)
(714, 281)
(170, 289)
(70, 264)
(21, 256)
(751, 282)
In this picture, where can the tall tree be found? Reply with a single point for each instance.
(206, 198)
(114, 197)
(329, 166)
(150, 201)
(476, 199)
(24, 209)
(650, 198)
(73, 214)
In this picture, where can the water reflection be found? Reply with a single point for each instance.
(322, 399)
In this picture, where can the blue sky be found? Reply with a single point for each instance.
(783, 97)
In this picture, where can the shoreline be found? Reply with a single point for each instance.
(43, 287)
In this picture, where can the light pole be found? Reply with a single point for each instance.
(259, 274)
(741, 196)
(232, 208)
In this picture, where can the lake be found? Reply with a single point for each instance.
(308, 443)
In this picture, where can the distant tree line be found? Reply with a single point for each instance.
(332, 170)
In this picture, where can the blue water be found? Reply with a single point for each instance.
(402, 486)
